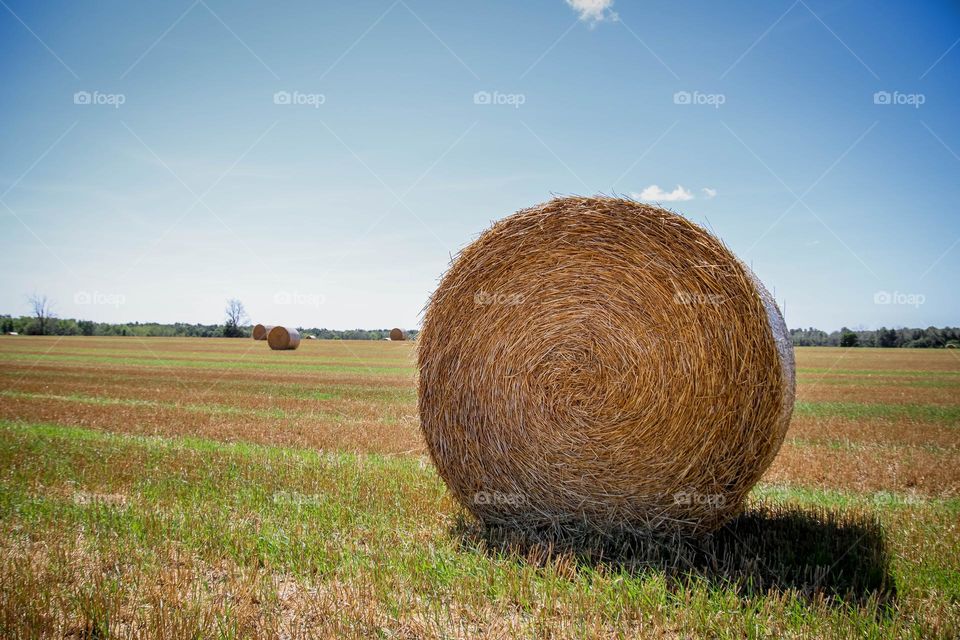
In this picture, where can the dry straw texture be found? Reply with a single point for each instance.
(260, 331)
(281, 338)
(397, 334)
(600, 360)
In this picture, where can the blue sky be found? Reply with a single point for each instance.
(322, 161)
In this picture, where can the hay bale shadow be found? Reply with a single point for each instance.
(838, 556)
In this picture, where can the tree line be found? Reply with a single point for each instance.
(28, 325)
(236, 324)
(929, 338)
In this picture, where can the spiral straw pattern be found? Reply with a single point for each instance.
(601, 360)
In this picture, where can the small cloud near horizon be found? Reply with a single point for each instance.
(653, 193)
(709, 193)
(594, 11)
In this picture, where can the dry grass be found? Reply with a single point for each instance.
(370, 431)
(879, 361)
(198, 531)
(884, 392)
(841, 431)
(868, 468)
(184, 538)
(326, 407)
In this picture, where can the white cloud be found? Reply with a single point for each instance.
(593, 10)
(653, 193)
(710, 193)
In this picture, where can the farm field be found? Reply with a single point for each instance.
(184, 488)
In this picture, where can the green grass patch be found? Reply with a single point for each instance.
(385, 527)
(878, 381)
(208, 408)
(287, 365)
(878, 373)
(317, 391)
(946, 415)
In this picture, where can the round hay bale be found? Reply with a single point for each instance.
(260, 331)
(282, 338)
(397, 334)
(603, 361)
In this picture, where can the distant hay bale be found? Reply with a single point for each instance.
(602, 361)
(397, 334)
(260, 331)
(282, 338)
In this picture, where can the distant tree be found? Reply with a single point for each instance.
(934, 337)
(236, 316)
(42, 309)
(887, 338)
(86, 327)
(849, 339)
(66, 327)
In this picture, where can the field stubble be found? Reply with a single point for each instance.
(233, 492)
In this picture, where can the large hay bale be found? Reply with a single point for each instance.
(260, 331)
(397, 334)
(282, 338)
(600, 360)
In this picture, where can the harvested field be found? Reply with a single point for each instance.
(204, 487)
